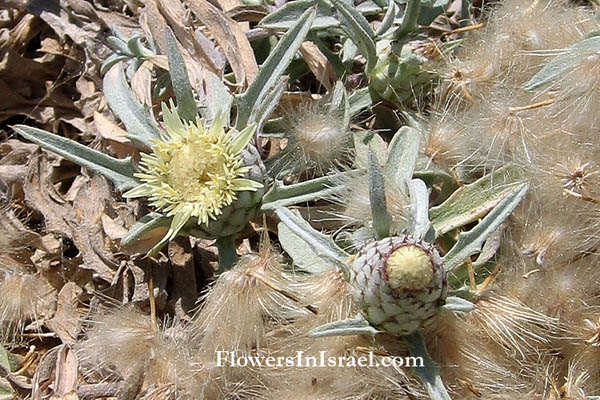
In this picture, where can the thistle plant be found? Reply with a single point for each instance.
(399, 280)
(199, 178)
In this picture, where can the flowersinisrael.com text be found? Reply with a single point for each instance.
(302, 360)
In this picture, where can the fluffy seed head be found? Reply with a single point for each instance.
(194, 171)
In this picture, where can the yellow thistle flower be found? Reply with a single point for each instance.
(194, 171)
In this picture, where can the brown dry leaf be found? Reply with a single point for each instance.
(227, 5)
(109, 130)
(66, 319)
(195, 55)
(65, 381)
(183, 293)
(141, 83)
(318, 64)
(80, 221)
(113, 229)
(229, 35)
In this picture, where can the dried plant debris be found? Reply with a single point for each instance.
(249, 199)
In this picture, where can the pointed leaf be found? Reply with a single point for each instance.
(141, 128)
(118, 171)
(359, 100)
(270, 103)
(471, 202)
(145, 234)
(419, 204)
(382, 221)
(362, 34)
(217, 100)
(273, 67)
(186, 105)
(242, 139)
(282, 195)
(454, 303)
(429, 372)
(321, 245)
(564, 62)
(388, 18)
(402, 156)
(338, 103)
(286, 16)
(353, 326)
(470, 242)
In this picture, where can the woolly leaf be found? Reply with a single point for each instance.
(217, 100)
(429, 373)
(382, 221)
(141, 128)
(471, 202)
(419, 204)
(402, 156)
(564, 63)
(273, 67)
(282, 195)
(454, 303)
(470, 242)
(285, 17)
(352, 326)
(322, 246)
(186, 105)
(118, 171)
(361, 33)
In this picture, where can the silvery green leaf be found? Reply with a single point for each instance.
(110, 61)
(4, 359)
(261, 113)
(359, 100)
(429, 373)
(564, 62)
(388, 18)
(141, 128)
(217, 100)
(285, 17)
(471, 202)
(334, 59)
(362, 34)
(365, 140)
(132, 66)
(382, 221)
(347, 327)
(470, 242)
(281, 195)
(118, 171)
(349, 51)
(273, 67)
(490, 247)
(145, 233)
(338, 103)
(454, 303)
(119, 45)
(137, 48)
(410, 19)
(186, 105)
(419, 205)
(402, 156)
(321, 245)
(303, 255)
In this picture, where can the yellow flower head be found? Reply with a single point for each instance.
(194, 171)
